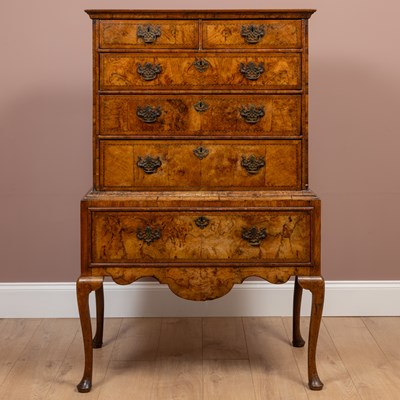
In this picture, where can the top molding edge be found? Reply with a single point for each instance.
(191, 14)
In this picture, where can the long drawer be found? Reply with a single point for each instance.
(216, 115)
(200, 71)
(225, 164)
(275, 236)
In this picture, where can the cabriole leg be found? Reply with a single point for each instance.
(84, 286)
(316, 285)
(98, 337)
(298, 340)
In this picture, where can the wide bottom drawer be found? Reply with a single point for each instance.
(272, 236)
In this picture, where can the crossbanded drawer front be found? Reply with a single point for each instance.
(234, 164)
(257, 236)
(148, 34)
(248, 34)
(216, 115)
(200, 71)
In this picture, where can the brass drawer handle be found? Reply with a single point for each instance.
(252, 114)
(252, 34)
(252, 164)
(201, 152)
(149, 33)
(148, 114)
(201, 106)
(251, 70)
(149, 164)
(148, 234)
(201, 64)
(202, 222)
(254, 235)
(149, 71)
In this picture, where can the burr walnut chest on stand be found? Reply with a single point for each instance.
(200, 137)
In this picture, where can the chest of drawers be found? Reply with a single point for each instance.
(200, 170)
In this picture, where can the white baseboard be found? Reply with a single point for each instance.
(252, 298)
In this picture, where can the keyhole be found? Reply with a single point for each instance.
(226, 33)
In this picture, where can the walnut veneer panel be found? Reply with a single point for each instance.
(159, 34)
(263, 34)
(178, 71)
(223, 164)
(200, 115)
(120, 236)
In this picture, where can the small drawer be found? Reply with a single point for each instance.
(194, 165)
(141, 34)
(200, 71)
(200, 115)
(262, 34)
(275, 236)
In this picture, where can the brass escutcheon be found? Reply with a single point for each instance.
(201, 106)
(201, 64)
(202, 222)
(201, 152)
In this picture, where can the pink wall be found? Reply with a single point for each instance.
(45, 120)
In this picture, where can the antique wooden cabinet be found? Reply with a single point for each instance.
(200, 170)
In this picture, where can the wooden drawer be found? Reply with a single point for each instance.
(200, 71)
(247, 34)
(274, 236)
(216, 115)
(238, 164)
(147, 34)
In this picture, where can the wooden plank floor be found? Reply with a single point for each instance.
(200, 359)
